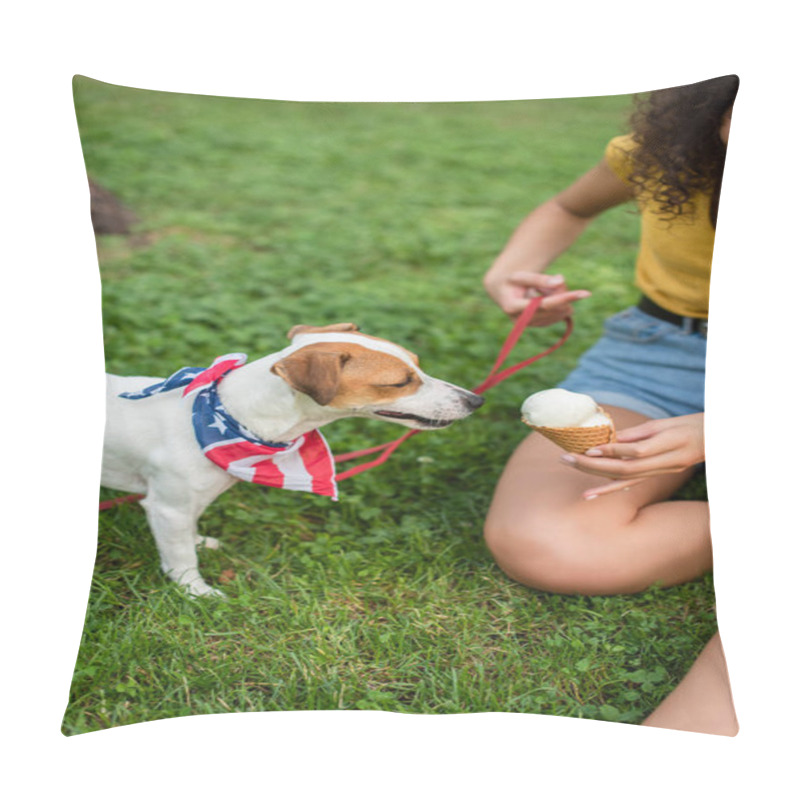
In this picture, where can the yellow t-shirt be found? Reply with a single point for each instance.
(673, 267)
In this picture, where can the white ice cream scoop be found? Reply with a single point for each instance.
(559, 408)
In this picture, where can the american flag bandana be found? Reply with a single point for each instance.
(303, 465)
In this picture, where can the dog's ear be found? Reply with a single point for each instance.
(339, 327)
(312, 372)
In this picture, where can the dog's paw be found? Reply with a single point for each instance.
(206, 541)
(215, 593)
(197, 587)
(202, 589)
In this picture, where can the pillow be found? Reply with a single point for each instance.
(221, 224)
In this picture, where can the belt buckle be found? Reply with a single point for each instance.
(695, 325)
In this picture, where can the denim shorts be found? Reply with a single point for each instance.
(644, 364)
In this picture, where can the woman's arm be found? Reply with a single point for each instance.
(544, 235)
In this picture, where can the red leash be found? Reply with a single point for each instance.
(118, 501)
(492, 379)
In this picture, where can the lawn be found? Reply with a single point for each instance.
(258, 215)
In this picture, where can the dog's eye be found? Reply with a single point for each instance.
(401, 384)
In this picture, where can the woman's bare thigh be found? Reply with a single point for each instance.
(539, 522)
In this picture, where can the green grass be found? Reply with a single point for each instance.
(259, 215)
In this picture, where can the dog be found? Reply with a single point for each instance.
(257, 421)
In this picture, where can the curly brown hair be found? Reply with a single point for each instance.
(679, 151)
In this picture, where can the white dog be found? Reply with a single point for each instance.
(183, 441)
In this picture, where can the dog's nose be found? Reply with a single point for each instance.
(473, 400)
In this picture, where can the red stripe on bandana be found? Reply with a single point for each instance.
(268, 473)
(220, 366)
(248, 462)
(318, 462)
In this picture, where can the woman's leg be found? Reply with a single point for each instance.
(545, 535)
(702, 701)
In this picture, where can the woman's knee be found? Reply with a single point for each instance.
(541, 551)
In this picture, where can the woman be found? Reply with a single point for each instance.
(599, 523)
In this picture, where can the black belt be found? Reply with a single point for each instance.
(687, 324)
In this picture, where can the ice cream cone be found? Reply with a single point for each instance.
(577, 440)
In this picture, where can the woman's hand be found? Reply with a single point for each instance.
(513, 293)
(657, 447)
(517, 274)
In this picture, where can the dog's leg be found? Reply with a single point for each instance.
(174, 526)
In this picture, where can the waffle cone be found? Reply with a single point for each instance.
(577, 440)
